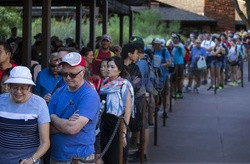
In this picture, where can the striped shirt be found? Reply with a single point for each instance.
(19, 136)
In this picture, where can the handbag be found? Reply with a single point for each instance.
(201, 63)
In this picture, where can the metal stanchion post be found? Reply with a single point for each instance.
(242, 73)
(142, 133)
(156, 119)
(120, 154)
(170, 96)
(215, 78)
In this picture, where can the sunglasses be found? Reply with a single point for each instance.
(71, 75)
(52, 65)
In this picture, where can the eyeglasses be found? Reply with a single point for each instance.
(52, 65)
(21, 88)
(71, 75)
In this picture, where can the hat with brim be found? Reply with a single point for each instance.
(156, 41)
(106, 37)
(20, 75)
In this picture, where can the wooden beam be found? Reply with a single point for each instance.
(130, 23)
(79, 25)
(105, 17)
(92, 30)
(46, 31)
(121, 29)
(26, 56)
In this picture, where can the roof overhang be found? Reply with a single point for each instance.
(175, 14)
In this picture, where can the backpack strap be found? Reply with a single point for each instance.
(163, 54)
(32, 70)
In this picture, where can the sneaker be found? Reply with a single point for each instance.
(239, 81)
(135, 154)
(198, 90)
(204, 82)
(211, 87)
(231, 83)
(179, 96)
(220, 87)
(188, 89)
(234, 84)
(133, 146)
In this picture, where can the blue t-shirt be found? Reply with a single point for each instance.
(19, 135)
(64, 103)
(197, 52)
(178, 54)
(164, 70)
(240, 49)
(46, 82)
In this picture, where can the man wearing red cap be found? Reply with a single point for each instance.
(74, 113)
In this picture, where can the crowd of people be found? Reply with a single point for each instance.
(70, 109)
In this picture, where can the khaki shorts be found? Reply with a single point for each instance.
(92, 156)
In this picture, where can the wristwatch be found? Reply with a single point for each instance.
(33, 159)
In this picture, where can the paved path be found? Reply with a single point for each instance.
(206, 128)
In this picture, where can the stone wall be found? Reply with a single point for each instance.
(223, 11)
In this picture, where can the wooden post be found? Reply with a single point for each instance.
(105, 17)
(46, 30)
(130, 24)
(78, 35)
(27, 19)
(121, 30)
(92, 28)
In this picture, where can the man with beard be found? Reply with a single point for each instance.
(102, 53)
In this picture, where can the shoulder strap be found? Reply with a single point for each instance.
(96, 53)
(32, 70)
(163, 54)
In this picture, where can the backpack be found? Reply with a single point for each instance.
(225, 48)
(187, 55)
(153, 82)
(32, 70)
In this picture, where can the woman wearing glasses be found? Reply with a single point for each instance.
(24, 121)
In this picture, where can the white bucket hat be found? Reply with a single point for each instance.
(20, 75)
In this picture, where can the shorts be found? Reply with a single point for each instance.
(179, 70)
(208, 61)
(139, 102)
(165, 90)
(195, 72)
(217, 64)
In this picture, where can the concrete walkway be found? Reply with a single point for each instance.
(206, 128)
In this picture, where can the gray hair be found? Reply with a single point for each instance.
(54, 54)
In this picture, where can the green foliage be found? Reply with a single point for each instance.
(147, 24)
(9, 17)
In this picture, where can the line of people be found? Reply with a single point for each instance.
(63, 106)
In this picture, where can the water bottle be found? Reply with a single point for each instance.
(102, 106)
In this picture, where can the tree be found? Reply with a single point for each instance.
(9, 17)
(245, 18)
